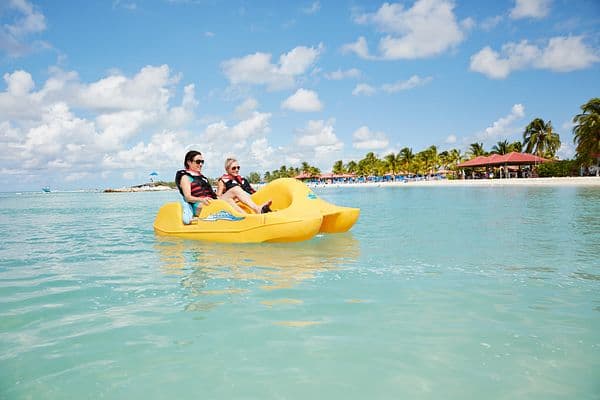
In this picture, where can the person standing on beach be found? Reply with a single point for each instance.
(233, 182)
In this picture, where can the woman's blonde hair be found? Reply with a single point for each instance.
(228, 163)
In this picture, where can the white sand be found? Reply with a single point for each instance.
(569, 181)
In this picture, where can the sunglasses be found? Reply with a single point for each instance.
(236, 168)
(198, 161)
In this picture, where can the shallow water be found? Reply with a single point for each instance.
(437, 292)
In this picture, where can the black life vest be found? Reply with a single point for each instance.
(231, 181)
(200, 186)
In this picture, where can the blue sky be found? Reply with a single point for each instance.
(99, 94)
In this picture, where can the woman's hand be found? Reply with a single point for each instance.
(205, 200)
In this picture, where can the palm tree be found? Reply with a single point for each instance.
(587, 132)
(254, 177)
(476, 149)
(540, 139)
(501, 148)
(516, 146)
(430, 159)
(338, 167)
(392, 162)
(406, 157)
(454, 156)
(314, 171)
(352, 167)
(368, 165)
(444, 158)
(283, 172)
(381, 168)
(418, 165)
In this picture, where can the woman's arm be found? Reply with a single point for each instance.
(220, 187)
(186, 188)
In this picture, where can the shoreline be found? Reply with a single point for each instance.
(584, 181)
(581, 181)
(141, 188)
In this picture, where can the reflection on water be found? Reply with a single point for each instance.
(221, 270)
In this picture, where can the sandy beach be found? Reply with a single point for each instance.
(567, 181)
(142, 188)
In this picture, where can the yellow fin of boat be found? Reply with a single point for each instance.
(298, 214)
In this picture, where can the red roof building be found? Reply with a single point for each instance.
(513, 158)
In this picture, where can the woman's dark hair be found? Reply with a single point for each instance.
(189, 156)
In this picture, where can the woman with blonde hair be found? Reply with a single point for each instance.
(239, 187)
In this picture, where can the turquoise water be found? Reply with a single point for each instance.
(445, 292)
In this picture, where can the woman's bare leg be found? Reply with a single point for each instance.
(231, 200)
(240, 194)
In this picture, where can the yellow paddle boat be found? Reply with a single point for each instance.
(298, 214)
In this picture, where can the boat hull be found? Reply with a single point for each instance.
(298, 214)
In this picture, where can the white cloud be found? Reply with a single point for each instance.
(125, 5)
(467, 24)
(363, 138)
(488, 62)
(451, 139)
(339, 74)
(316, 142)
(59, 137)
(219, 138)
(262, 153)
(27, 22)
(299, 59)
(565, 54)
(209, 34)
(426, 29)
(360, 48)
(567, 147)
(18, 101)
(562, 54)
(319, 137)
(147, 90)
(19, 83)
(567, 126)
(79, 129)
(411, 83)
(245, 140)
(313, 8)
(502, 128)
(186, 112)
(566, 150)
(303, 101)
(490, 23)
(246, 108)
(164, 149)
(119, 127)
(364, 90)
(530, 9)
(257, 68)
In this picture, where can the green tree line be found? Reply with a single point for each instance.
(539, 138)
